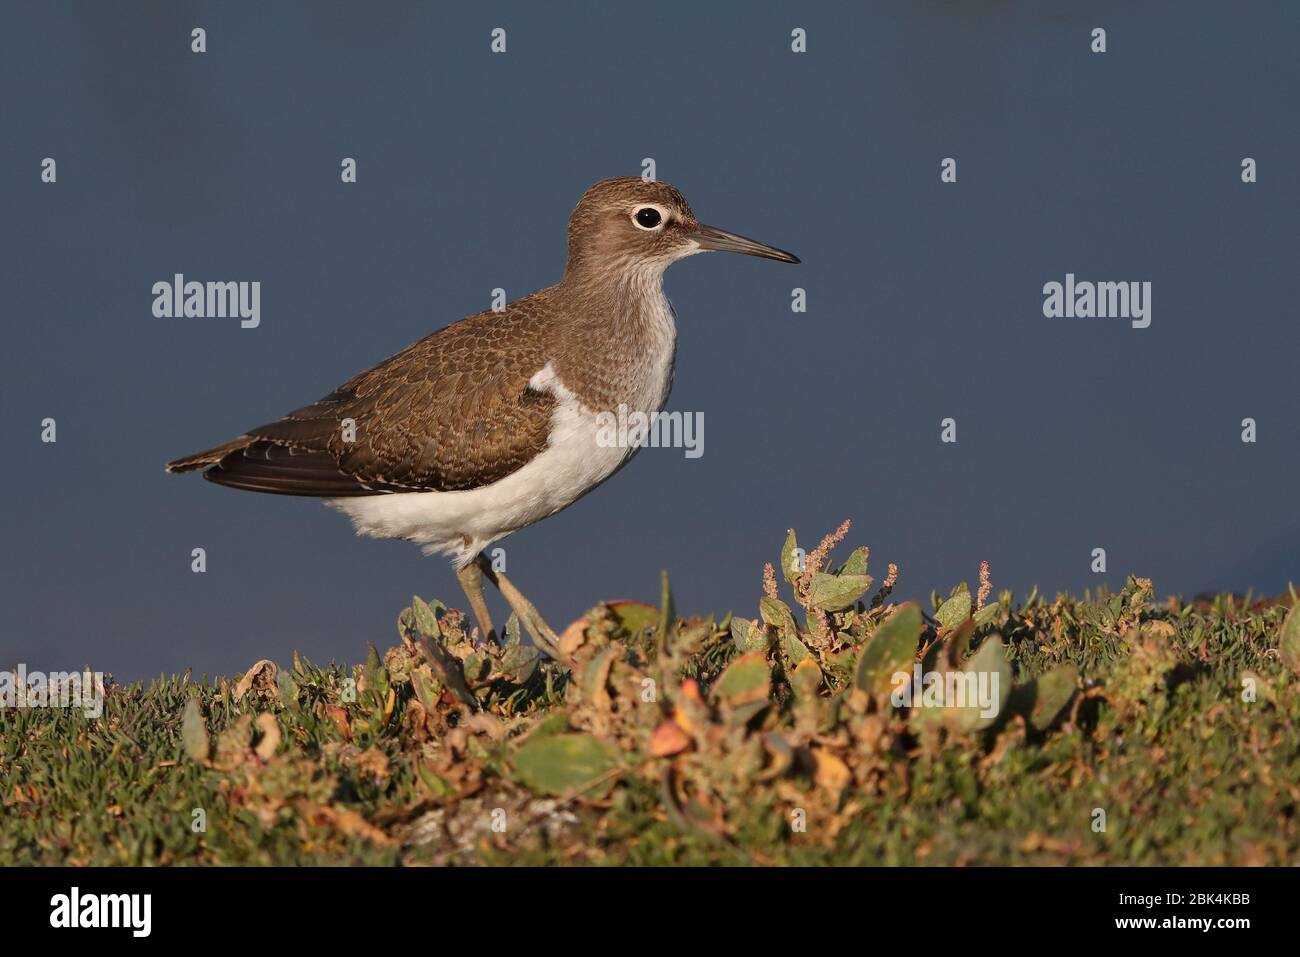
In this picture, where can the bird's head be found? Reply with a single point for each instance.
(626, 224)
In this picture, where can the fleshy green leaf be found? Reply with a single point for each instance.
(512, 635)
(806, 679)
(565, 763)
(475, 667)
(836, 592)
(555, 724)
(520, 662)
(596, 674)
(405, 625)
(856, 564)
(194, 733)
(796, 649)
(891, 649)
(746, 636)
(426, 620)
(956, 609)
(1289, 644)
(987, 614)
(633, 617)
(790, 569)
(748, 678)
(992, 673)
(376, 674)
(1052, 692)
(777, 614)
(427, 689)
(287, 686)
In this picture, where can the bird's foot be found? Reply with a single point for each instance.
(542, 634)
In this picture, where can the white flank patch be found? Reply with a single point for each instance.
(572, 464)
(462, 524)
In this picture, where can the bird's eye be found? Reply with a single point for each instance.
(647, 217)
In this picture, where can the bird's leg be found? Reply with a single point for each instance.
(471, 582)
(542, 634)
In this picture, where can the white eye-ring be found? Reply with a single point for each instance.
(649, 217)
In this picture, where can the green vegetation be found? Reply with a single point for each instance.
(661, 740)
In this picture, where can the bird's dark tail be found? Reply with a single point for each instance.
(212, 456)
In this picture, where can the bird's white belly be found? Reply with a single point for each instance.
(462, 523)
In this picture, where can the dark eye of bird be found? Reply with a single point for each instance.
(648, 217)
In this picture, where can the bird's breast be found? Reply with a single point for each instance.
(621, 362)
(652, 379)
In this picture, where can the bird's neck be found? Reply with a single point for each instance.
(621, 303)
(619, 336)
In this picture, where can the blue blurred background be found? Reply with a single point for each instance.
(924, 299)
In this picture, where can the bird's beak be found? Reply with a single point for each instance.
(709, 238)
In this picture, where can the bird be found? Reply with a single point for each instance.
(490, 424)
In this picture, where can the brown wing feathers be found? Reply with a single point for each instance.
(267, 467)
(451, 412)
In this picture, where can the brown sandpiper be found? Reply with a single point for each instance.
(490, 424)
